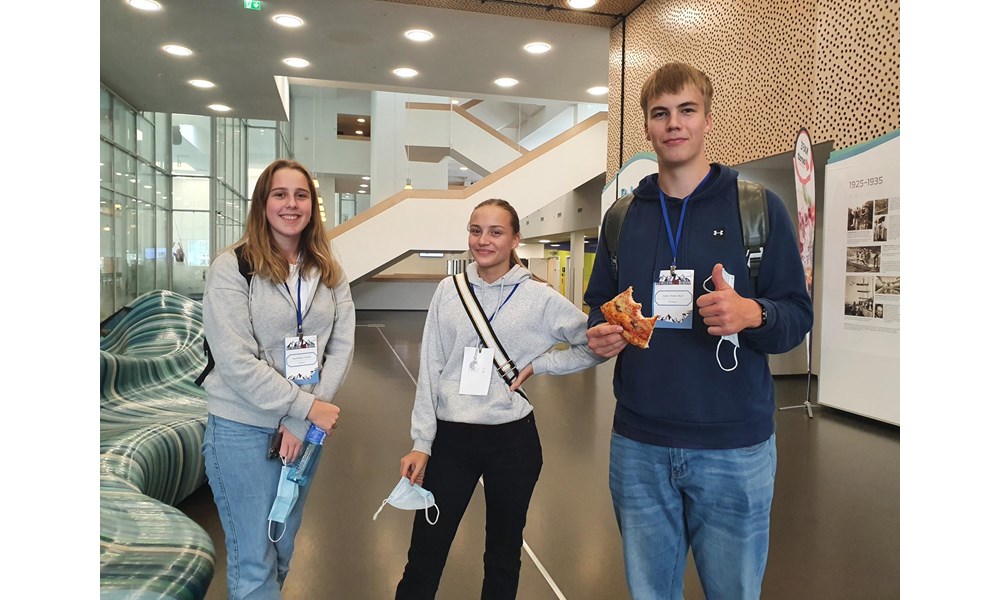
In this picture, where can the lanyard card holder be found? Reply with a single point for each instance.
(504, 365)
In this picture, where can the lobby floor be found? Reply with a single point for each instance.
(834, 523)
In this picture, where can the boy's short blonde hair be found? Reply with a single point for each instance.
(671, 79)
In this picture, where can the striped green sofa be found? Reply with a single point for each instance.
(152, 425)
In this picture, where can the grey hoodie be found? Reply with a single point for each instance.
(246, 328)
(535, 318)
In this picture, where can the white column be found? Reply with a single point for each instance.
(577, 253)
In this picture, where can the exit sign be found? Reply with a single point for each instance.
(252, 4)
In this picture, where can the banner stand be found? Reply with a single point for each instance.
(809, 370)
(805, 192)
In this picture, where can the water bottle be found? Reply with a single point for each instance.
(303, 469)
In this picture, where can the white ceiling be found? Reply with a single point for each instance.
(350, 43)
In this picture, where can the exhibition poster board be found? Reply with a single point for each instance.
(861, 249)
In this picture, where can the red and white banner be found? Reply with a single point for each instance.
(805, 194)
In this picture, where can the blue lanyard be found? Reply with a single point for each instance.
(298, 306)
(675, 242)
(504, 302)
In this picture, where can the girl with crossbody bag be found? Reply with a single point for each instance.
(487, 331)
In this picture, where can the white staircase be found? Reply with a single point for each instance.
(435, 220)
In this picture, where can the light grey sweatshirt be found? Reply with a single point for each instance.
(528, 325)
(246, 328)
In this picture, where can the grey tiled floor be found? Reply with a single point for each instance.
(835, 518)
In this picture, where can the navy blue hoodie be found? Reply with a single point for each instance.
(674, 393)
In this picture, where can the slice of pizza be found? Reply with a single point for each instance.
(625, 311)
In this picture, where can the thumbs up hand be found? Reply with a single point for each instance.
(724, 311)
(719, 281)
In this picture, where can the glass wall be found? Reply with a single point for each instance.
(163, 176)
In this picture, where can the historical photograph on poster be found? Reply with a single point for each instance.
(881, 206)
(859, 297)
(864, 259)
(860, 217)
(881, 232)
(887, 285)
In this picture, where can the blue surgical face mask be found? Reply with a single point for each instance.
(410, 496)
(284, 500)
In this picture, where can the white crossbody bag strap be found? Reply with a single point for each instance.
(504, 365)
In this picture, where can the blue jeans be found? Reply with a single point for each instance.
(244, 484)
(717, 502)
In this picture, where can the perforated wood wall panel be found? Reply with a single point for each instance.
(776, 65)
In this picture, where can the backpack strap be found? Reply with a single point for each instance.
(246, 271)
(613, 221)
(504, 365)
(754, 220)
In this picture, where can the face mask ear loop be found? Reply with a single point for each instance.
(427, 512)
(736, 360)
(269, 532)
(384, 502)
(704, 284)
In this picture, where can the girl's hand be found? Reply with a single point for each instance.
(412, 466)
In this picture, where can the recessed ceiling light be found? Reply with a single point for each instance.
(366, 178)
(177, 50)
(219, 107)
(454, 101)
(287, 20)
(359, 132)
(418, 35)
(538, 47)
(298, 63)
(463, 168)
(201, 83)
(404, 72)
(553, 245)
(581, 3)
(597, 90)
(544, 241)
(360, 120)
(145, 4)
(364, 185)
(505, 82)
(362, 192)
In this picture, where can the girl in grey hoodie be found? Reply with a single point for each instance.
(489, 433)
(297, 298)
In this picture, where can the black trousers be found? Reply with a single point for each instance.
(509, 459)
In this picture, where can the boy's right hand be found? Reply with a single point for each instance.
(606, 340)
(412, 466)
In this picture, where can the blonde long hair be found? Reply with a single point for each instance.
(263, 253)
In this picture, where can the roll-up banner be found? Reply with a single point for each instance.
(805, 194)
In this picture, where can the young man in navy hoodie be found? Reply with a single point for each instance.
(692, 448)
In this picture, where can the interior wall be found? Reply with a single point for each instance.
(831, 66)
(577, 210)
(314, 126)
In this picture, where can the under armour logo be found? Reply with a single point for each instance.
(719, 232)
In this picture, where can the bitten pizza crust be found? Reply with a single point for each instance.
(625, 311)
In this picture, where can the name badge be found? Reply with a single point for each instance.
(477, 370)
(301, 360)
(673, 299)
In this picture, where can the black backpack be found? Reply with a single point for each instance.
(753, 218)
(245, 271)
